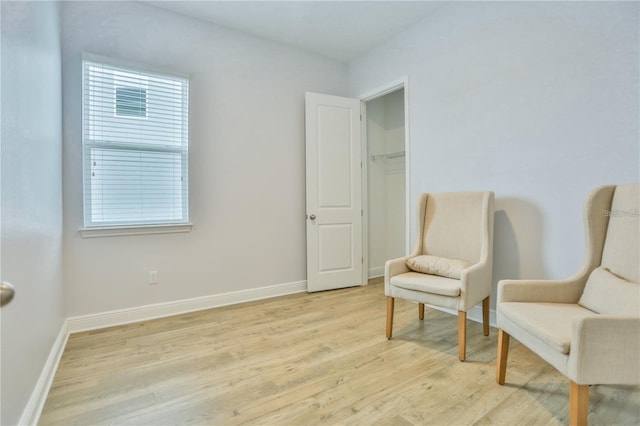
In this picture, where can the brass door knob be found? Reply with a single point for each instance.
(7, 291)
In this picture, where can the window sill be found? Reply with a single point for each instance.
(116, 231)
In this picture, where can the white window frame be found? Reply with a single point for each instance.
(94, 228)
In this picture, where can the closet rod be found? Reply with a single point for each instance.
(388, 156)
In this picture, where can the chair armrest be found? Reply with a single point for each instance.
(392, 268)
(605, 349)
(475, 284)
(556, 291)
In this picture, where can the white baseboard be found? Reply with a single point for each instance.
(376, 272)
(160, 310)
(474, 314)
(31, 413)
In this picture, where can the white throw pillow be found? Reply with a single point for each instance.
(606, 293)
(434, 265)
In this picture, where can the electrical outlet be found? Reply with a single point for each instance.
(153, 277)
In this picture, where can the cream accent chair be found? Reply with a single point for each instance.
(455, 228)
(587, 326)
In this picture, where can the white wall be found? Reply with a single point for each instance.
(385, 181)
(31, 230)
(376, 188)
(537, 101)
(395, 175)
(247, 159)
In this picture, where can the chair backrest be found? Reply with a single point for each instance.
(621, 254)
(614, 286)
(455, 225)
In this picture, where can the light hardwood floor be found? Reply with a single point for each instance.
(310, 359)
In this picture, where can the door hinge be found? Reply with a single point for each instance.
(362, 260)
(361, 213)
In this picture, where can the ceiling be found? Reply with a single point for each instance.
(340, 30)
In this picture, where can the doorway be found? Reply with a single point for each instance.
(357, 181)
(386, 181)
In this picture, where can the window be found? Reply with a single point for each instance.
(131, 101)
(135, 147)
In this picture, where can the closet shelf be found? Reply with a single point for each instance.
(388, 156)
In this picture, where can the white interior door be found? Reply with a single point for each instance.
(334, 192)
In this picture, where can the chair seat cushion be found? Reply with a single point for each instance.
(435, 265)
(550, 322)
(427, 283)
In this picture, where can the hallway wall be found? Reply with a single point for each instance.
(31, 227)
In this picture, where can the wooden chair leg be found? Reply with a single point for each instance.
(390, 302)
(503, 352)
(485, 315)
(578, 404)
(462, 335)
(421, 311)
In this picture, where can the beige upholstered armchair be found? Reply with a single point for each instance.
(587, 326)
(452, 262)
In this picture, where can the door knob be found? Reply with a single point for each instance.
(312, 217)
(6, 293)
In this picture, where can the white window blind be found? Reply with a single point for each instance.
(135, 147)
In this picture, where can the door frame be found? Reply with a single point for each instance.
(370, 95)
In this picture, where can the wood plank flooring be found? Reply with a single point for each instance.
(311, 359)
